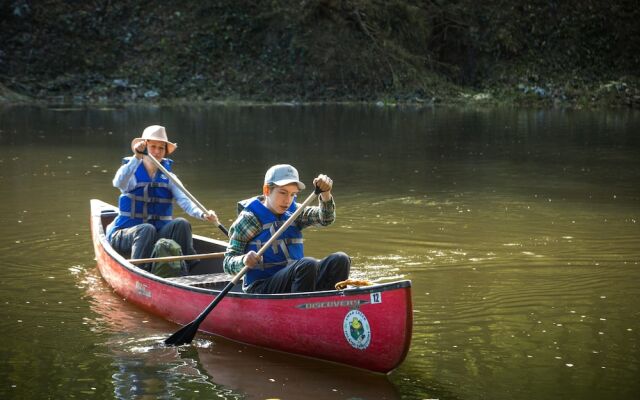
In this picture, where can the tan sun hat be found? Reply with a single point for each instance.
(155, 132)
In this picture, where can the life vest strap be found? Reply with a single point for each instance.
(264, 266)
(278, 242)
(152, 184)
(148, 199)
(146, 217)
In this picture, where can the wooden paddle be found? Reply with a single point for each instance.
(187, 332)
(181, 187)
(176, 258)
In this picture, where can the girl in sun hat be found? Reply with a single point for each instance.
(146, 200)
(283, 268)
(154, 132)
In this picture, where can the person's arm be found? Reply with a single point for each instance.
(325, 213)
(246, 227)
(125, 178)
(321, 215)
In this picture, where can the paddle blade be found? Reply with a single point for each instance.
(184, 335)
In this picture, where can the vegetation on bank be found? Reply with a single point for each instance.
(546, 53)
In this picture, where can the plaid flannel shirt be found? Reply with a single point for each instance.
(247, 226)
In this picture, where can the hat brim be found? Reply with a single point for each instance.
(284, 182)
(171, 147)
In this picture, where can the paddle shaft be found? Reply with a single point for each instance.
(184, 190)
(186, 333)
(177, 258)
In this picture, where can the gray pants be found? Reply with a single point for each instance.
(138, 241)
(306, 275)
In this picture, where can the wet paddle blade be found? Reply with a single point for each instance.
(186, 333)
(183, 336)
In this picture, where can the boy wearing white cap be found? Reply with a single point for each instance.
(283, 268)
(146, 200)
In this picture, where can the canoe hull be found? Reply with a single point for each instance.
(367, 327)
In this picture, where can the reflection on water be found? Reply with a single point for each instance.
(133, 342)
(518, 229)
(145, 370)
(263, 375)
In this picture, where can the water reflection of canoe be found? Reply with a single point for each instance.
(261, 374)
(367, 327)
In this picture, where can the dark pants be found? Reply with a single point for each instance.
(138, 241)
(306, 275)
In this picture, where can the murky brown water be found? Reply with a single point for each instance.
(519, 230)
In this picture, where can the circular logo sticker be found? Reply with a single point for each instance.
(356, 329)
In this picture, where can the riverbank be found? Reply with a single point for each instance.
(602, 95)
(578, 54)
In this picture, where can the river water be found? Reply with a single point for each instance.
(518, 229)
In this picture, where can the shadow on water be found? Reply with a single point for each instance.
(145, 367)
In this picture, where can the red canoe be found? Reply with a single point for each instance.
(367, 327)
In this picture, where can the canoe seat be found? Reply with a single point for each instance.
(204, 281)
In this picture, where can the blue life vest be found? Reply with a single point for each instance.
(287, 248)
(152, 200)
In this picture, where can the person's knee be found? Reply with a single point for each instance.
(342, 259)
(305, 275)
(307, 264)
(341, 265)
(342, 256)
(307, 268)
(145, 232)
(181, 228)
(182, 223)
(146, 229)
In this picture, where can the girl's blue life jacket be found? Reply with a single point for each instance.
(151, 201)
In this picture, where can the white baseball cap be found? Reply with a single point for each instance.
(283, 174)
